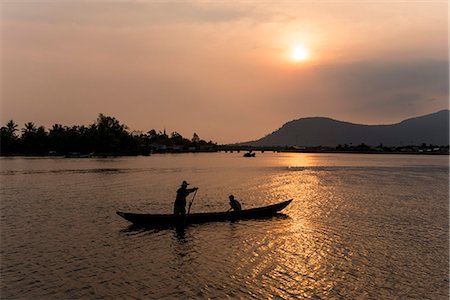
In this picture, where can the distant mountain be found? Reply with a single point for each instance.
(318, 131)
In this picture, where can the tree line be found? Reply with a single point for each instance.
(106, 136)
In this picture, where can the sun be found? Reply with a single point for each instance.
(299, 53)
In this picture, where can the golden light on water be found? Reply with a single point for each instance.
(298, 161)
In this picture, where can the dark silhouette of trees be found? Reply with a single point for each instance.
(177, 139)
(106, 136)
(33, 139)
(195, 138)
(8, 138)
(111, 136)
(12, 127)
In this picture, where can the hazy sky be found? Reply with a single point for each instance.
(222, 69)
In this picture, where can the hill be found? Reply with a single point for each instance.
(319, 131)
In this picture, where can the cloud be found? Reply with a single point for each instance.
(368, 91)
(129, 13)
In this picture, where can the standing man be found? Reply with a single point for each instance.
(179, 207)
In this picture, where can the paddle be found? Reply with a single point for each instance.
(189, 208)
(192, 201)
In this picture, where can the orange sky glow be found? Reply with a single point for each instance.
(229, 71)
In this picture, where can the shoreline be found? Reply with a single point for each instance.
(109, 155)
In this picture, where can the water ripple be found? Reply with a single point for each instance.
(360, 227)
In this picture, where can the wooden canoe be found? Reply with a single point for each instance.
(170, 220)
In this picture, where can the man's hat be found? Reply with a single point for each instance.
(184, 183)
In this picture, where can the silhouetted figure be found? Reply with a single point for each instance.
(235, 205)
(179, 207)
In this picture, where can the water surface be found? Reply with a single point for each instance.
(360, 227)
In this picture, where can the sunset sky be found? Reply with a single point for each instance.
(228, 70)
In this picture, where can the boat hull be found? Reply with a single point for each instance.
(170, 220)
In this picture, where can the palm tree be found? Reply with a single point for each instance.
(8, 138)
(29, 128)
(12, 128)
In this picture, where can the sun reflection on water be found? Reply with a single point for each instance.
(305, 256)
(360, 227)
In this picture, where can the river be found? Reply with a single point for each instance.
(360, 227)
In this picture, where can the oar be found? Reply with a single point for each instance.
(189, 208)
(190, 203)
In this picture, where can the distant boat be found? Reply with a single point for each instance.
(170, 220)
(250, 154)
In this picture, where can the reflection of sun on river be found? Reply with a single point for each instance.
(360, 226)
